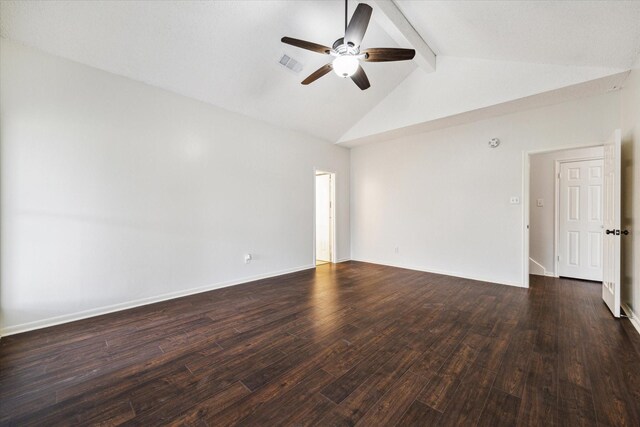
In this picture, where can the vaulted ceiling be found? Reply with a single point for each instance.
(227, 53)
(588, 33)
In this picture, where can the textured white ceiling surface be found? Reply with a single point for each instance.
(226, 52)
(223, 52)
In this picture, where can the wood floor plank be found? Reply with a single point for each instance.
(491, 350)
(539, 400)
(466, 406)
(420, 415)
(287, 404)
(206, 410)
(575, 406)
(429, 363)
(501, 409)
(392, 406)
(345, 344)
(512, 373)
(277, 386)
(351, 409)
(339, 389)
(439, 391)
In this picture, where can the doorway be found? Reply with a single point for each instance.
(562, 238)
(324, 249)
(611, 233)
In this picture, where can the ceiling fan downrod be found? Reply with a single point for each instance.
(346, 14)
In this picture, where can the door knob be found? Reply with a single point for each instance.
(625, 232)
(611, 231)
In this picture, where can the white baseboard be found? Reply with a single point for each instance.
(443, 272)
(343, 260)
(66, 318)
(633, 318)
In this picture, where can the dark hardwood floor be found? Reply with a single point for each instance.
(346, 344)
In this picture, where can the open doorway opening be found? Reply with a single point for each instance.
(609, 194)
(324, 247)
(565, 209)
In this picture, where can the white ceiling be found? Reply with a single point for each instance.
(587, 33)
(226, 52)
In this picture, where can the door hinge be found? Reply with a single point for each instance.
(558, 175)
(558, 257)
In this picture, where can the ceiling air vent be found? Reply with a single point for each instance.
(291, 63)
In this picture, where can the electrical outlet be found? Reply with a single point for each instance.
(397, 250)
(514, 200)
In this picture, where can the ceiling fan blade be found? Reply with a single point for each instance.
(358, 24)
(386, 54)
(317, 74)
(314, 47)
(360, 78)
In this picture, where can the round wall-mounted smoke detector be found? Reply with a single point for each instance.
(494, 142)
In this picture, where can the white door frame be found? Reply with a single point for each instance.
(556, 213)
(332, 197)
(526, 190)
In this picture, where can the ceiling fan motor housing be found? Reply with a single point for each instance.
(342, 48)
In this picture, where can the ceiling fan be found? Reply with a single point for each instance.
(346, 50)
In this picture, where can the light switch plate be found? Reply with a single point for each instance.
(540, 203)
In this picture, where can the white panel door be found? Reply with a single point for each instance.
(611, 193)
(323, 217)
(580, 228)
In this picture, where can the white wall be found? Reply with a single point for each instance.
(543, 186)
(115, 192)
(630, 104)
(442, 198)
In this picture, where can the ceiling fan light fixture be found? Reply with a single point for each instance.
(345, 65)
